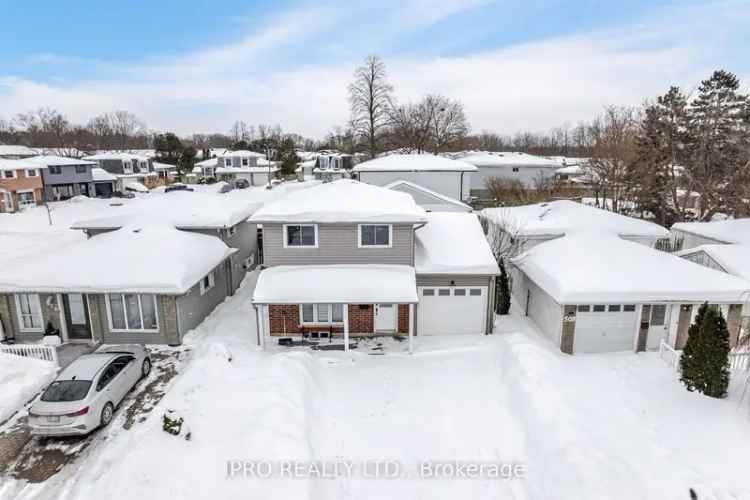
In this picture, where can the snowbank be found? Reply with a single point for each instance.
(20, 380)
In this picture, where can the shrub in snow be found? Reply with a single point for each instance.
(704, 363)
(172, 422)
(503, 290)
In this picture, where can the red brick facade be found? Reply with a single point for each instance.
(284, 320)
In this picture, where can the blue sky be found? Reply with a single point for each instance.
(196, 65)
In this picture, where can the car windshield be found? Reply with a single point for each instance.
(66, 390)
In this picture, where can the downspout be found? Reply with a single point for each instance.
(257, 324)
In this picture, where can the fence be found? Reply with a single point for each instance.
(669, 355)
(739, 361)
(43, 352)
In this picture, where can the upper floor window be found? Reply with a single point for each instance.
(375, 235)
(301, 235)
(9, 174)
(81, 169)
(245, 162)
(227, 162)
(32, 172)
(55, 170)
(144, 166)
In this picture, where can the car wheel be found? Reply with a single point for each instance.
(107, 413)
(145, 368)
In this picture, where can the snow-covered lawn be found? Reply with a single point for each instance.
(583, 427)
(20, 380)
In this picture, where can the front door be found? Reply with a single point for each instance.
(658, 328)
(77, 316)
(385, 317)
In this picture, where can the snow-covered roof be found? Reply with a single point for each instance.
(116, 155)
(246, 170)
(47, 161)
(162, 166)
(101, 175)
(729, 231)
(337, 284)
(501, 159)
(182, 209)
(735, 259)
(570, 170)
(439, 197)
(343, 200)
(241, 152)
(136, 186)
(122, 261)
(17, 164)
(211, 162)
(411, 163)
(595, 268)
(563, 216)
(453, 243)
(16, 150)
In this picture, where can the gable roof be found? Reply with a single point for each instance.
(729, 231)
(453, 243)
(735, 259)
(439, 198)
(181, 209)
(343, 200)
(122, 261)
(116, 155)
(49, 161)
(594, 268)
(556, 218)
(413, 163)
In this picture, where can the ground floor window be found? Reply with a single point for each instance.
(26, 199)
(29, 311)
(322, 313)
(129, 311)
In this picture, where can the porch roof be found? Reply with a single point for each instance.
(337, 284)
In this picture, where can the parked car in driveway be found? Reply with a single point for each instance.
(84, 396)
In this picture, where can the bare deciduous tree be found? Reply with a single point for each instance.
(370, 99)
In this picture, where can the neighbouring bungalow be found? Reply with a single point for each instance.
(139, 284)
(216, 215)
(530, 225)
(531, 171)
(590, 291)
(692, 234)
(21, 185)
(380, 266)
(452, 178)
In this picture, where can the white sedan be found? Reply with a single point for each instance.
(84, 396)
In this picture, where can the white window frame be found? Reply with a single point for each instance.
(315, 320)
(211, 283)
(286, 236)
(11, 172)
(24, 191)
(125, 313)
(227, 162)
(390, 236)
(33, 304)
(32, 172)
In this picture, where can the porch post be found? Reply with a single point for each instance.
(411, 328)
(346, 327)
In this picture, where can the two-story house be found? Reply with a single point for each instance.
(21, 185)
(65, 177)
(348, 258)
(127, 167)
(234, 165)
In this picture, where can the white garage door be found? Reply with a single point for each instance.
(452, 310)
(605, 328)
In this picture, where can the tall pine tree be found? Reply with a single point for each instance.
(704, 363)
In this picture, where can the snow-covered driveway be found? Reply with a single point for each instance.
(584, 427)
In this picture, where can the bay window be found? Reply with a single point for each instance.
(325, 314)
(130, 311)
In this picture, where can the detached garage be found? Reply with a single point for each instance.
(455, 276)
(591, 293)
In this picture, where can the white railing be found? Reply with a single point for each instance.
(43, 352)
(669, 355)
(739, 361)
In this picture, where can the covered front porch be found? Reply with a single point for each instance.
(335, 302)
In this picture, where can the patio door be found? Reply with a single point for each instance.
(77, 316)
(385, 317)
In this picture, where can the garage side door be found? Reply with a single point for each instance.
(452, 310)
(605, 328)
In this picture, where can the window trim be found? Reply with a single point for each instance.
(211, 283)
(13, 174)
(359, 236)
(227, 162)
(315, 320)
(285, 235)
(124, 309)
(55, 170)
(32, 172)
(19, 315)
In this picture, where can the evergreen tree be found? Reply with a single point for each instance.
(503, 290)
(288, 156)
(705, 360)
